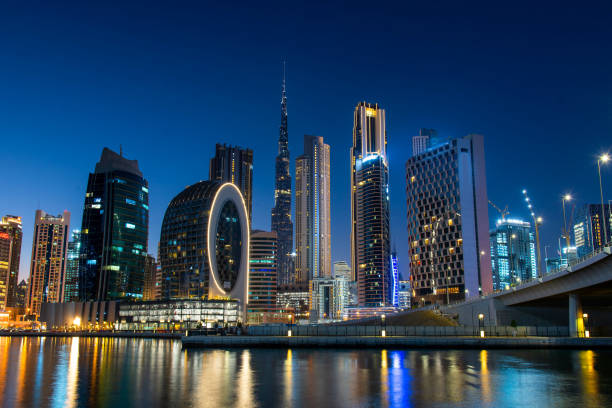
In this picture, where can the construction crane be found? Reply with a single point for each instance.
(503, 212)
(537, 222)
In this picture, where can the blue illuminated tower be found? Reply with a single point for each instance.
(370, 233)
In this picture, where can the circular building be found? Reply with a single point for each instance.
(204, 244)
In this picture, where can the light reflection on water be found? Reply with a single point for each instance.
(77, 372)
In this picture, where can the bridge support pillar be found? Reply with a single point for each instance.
(576, 322)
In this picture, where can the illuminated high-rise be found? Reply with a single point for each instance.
(48, 264)
(10, 254)
(588, 228)
(235, 165)
(312, 211)
(262, 273)
(71, 287)
(370, 231)
(114, 230)
(513, 257)
(448, 234)
(281, 213)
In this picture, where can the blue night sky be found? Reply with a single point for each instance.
(167, 82)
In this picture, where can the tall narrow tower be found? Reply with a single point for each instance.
(370, 230)
(281, 213)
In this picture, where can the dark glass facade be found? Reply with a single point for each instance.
(281, 213)
(235, 165)
(71, 286)
(114, 231)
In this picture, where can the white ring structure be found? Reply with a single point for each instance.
(228, 192)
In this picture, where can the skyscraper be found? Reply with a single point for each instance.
(512, 253)
(448, 221)
(114, 231)
(204, 244)
(312, 211)
(48, 265)
(394, 280)
(152, 280)
(281, 213)
(588, 228)
(235, 165)
(423, 141)
(262, 273)
(370, 233)
(10, 254)
(71, 287)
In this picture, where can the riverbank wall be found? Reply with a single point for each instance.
(395, 342)
(124, 334)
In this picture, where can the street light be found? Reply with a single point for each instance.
(566, 197)
(604, 158)
(481, 324)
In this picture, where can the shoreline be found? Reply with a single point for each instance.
(396, 342)
(144, 335)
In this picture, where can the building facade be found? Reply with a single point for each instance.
(342, 269)
(234, 165)
(281, 213)
(11, 236)
(204, 244)
(370, 229)
(448, 222)
(114, 230)
(71, 287)
(152, 280)
(312, 211)
(395, 279)
(425, 139)
(262, 272)
(513, 257)
(49, 256)
(404, 295)
(588, 228)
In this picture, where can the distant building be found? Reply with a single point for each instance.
(423, 141)
(513, 258)
(21, 294)
(370, 229)
(262, 273)
(114, 231)
(204, 244)
(394, 280)
(294, 299)
(588, 228)
(235, 165)
(404, 295)
(552, 264)
(312, 211)
(71, 287)
(49, 256)
(10, 253)
(329, 297)
(152, 280)
(281, 212)
(448, 221)
(342, 269)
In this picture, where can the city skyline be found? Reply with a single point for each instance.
(169, 167)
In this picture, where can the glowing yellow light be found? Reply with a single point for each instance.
(370, 112)
(604, 157)
(482, 333)
(567, 197)
(77, 321)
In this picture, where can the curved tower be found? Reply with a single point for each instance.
(204, 244)
(281, 213)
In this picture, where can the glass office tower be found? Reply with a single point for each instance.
(370, 230)
(513, 257)
(71, 287)
(114, 231)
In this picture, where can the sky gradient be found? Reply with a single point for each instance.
(168, 82)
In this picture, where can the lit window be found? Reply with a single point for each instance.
(129, 225)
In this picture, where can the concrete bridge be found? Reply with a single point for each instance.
(579, 296)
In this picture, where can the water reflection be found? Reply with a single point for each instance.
(75, 372)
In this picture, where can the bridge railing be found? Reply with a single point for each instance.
(414, 331)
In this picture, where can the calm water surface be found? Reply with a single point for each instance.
(80, 372)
